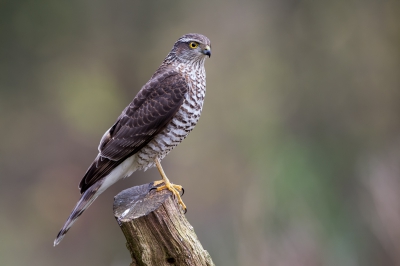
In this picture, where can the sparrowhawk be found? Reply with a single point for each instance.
(160, 117)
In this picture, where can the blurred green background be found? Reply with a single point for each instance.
(295, 160)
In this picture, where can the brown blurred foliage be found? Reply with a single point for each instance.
(295, 160)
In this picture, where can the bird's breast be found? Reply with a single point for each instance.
(181, 124)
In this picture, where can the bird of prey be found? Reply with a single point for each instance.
(160, 116)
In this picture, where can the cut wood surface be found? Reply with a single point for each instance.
(156, 229)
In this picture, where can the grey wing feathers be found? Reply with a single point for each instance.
(150, 111)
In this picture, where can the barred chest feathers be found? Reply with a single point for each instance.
(182, 124)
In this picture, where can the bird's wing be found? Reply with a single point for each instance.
(150, 111)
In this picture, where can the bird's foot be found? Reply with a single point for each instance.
(175, 189)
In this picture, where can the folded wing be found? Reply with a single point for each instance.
(150, 111)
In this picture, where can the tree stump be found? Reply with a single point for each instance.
(156, 229)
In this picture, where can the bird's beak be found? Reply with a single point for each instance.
(207, 51)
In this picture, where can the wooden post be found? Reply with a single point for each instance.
(156, 229)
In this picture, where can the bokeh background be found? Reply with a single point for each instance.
(295, 160)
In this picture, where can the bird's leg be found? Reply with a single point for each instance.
(168, 185)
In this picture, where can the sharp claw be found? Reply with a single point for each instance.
(175, 191)
(154, 188)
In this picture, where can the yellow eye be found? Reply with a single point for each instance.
(193, 45)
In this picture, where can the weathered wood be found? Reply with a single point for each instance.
(156, 229)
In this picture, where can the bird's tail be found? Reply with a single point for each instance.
(84, 202)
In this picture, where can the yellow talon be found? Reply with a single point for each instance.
(168, 185)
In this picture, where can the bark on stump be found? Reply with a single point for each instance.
(156, 229)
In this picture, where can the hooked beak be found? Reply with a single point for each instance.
(207, 51)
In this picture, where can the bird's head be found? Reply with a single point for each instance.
(192, 47)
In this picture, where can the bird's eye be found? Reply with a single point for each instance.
(193, 45)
